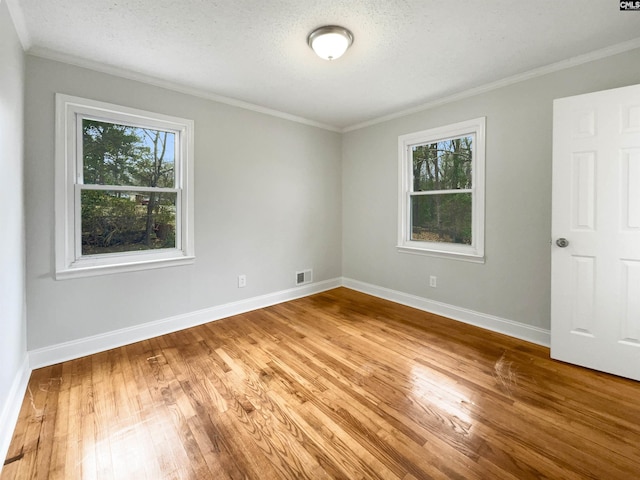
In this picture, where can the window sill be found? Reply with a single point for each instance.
(89, 269)
(464, 256)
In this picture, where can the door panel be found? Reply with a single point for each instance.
(631, 189)
(582, 314)
(583, 202)
(595, 298)
(631, 303)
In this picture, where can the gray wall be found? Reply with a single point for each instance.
(267, 203)
(514, 283)
(273, 197)
(13, 336)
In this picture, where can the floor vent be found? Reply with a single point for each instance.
(306, 276)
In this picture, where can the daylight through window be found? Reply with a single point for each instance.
(126, 194)
(442, 191)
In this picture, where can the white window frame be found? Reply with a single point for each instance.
(69, 261)
(473, 252)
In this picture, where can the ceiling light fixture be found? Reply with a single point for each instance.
(330, 42)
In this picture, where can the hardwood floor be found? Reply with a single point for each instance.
(336, 385)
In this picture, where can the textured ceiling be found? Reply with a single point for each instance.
(406, 52)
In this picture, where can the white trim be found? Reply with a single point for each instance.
(202, 93)
(90, 269)
(174, 86)
(11, 410)
(69, 262)
(539, 336)
(434, 252)
(63, 352)
(505, 82)
(473, 252)
(19, 23)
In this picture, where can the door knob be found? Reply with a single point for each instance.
(562, 242)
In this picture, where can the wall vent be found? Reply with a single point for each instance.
(306, 276)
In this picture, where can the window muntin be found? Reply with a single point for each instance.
(123, 189)
(441, 205)
(114, 220)
(441, 196)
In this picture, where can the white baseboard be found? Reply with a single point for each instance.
(512, 328)
(98, 343)
(11, 409)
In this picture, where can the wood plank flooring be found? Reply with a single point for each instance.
(336, 385)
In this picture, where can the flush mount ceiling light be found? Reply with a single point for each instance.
(330, 42)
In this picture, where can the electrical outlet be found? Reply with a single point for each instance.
(242, 281)
(433, 281)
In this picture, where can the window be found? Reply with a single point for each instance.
(441, 195)
(124, 192)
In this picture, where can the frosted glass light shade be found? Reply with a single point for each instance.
(330, 42)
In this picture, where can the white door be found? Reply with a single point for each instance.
(595, 284)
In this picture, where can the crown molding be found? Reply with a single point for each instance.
(19, 23)
(521, 77)
(169, 85)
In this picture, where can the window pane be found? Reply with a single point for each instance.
(444, 165)
(442, 218)
(116, 154)
(114, 222)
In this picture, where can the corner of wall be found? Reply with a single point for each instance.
(539, 336)
(13, 403)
